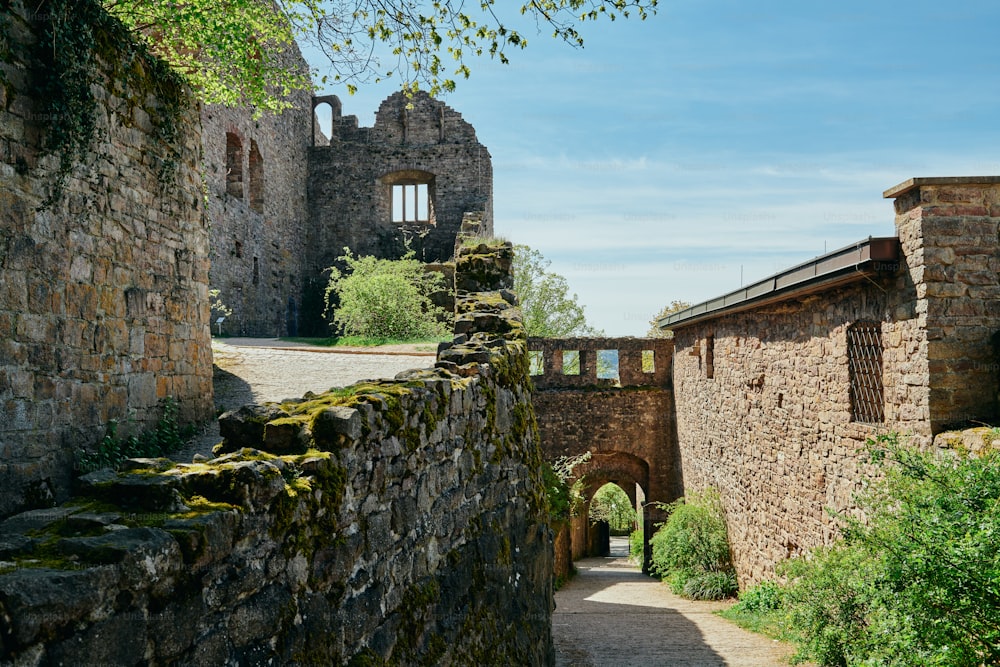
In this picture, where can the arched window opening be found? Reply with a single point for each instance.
(234, 165)
(864, 365)
(256, 178)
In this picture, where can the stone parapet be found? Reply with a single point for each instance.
(391, 522)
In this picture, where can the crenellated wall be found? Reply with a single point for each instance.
(393, 522)
(104, 280)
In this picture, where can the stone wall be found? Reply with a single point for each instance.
(626, 422)
(103, 297)
(950, 232)
(256, 172)
(393, 522)
(763, 395)
(351, 179)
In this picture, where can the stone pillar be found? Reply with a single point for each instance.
(948, 229)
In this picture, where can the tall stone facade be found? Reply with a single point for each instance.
(770, 396)
(285, 200)
(256, 170)
(103, 296)
(418, 142)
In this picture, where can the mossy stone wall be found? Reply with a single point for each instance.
(396, 522)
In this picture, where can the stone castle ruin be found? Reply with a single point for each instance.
(335, 523)
(285, 200)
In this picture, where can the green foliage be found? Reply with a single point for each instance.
(693, 544)
(761, 609)
(564, 499)
(765, 596)
(168, 437)
(654, 324)
(219, 308)
(385, 298)
(635, 544)
(547, 306)
(919, 582)
(75, 36)
(232, 54)
(612, 505)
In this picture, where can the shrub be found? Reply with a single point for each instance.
(168, 437)
(764, 597)
(919, 582)
(692, 543)
(383, 298)
(635, 544)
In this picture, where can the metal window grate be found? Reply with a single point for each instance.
(864, 362)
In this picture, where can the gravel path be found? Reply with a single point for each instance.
(256, 370)
(612, 615)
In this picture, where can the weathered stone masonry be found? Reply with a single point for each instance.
(627, 424)
(398, 521)
(103, 297)
(763, 388)
(351, 179)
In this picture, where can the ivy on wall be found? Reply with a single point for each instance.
(77, 41)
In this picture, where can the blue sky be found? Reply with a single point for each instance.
(721, 139)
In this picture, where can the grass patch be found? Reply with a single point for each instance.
(365, 341)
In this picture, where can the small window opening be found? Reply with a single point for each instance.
(710, 356)
(256, 271)
(571, 362)
(535, 362)
(410, 203)
(238, 249)
(648, 361)
(256, 178)
(864, 364)
(607, 364)
(234, 165)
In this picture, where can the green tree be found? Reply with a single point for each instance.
(654, 324)
(232, 52)
(384, 298)
(547, 306)
(612, 504)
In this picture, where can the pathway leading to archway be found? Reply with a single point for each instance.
(612, 615)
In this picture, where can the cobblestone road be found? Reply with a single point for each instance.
(612, 615)
(255, 370)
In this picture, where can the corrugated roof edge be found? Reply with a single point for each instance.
(847, 264)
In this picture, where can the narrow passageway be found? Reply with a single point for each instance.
(612, 615)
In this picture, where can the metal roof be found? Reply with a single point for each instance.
(845, 265)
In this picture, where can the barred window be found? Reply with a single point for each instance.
(864, 363)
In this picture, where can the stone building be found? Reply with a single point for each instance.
(284, 200)
(779, 384)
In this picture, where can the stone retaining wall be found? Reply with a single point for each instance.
(393, 522)
(103, 297)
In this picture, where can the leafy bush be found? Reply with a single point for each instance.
(635, 544)
(168, 437)
(384, 298)
(612, 505)
(919, 582)
(693, 543)
(764, 597)
(564, 499)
